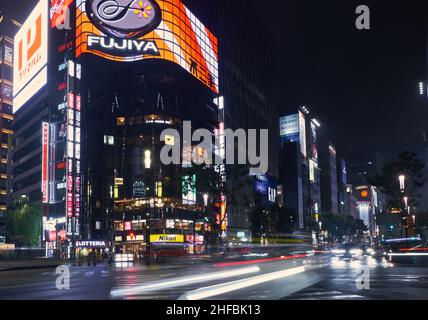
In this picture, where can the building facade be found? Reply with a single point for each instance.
(88, 141)
(7, 27)
(245, 71)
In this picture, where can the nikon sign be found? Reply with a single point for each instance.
(167, 238)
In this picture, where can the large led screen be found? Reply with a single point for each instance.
(31, 56)
(133, 30)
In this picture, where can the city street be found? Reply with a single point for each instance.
(307, 278)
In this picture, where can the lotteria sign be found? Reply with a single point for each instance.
(167, 238)
(133, 30)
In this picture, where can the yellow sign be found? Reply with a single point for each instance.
(167, 238)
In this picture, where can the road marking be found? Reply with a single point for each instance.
(223, 288)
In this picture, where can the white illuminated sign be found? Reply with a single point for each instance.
(31, 56)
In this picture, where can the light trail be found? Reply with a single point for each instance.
(223, 288)
(246, 262)
(183, 281)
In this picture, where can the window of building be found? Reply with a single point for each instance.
(109, 140)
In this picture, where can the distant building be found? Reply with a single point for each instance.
(329, 180)
(362, 167)
(300, 172)
(368, 206)
(245, 71)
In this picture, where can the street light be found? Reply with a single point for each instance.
(205, 199)
(402, 179)
(406, 200)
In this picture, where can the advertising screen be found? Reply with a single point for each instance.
(127, 31)
(289, 127)
(31, 56)
(292, 128)
(45, 163)
(58, 12)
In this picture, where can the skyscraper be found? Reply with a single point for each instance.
(7, 29)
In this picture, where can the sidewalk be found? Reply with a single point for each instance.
(12, 265)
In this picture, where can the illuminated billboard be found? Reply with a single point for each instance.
(133, 30)
(59, 13)
(289, 127)
(167, 238)
(292, 128)
(45, 161)
(30, 56)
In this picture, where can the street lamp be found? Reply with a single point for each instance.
(406, 200)
(205, 199)
(402, 179)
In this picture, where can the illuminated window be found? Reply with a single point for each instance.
(147, 159)
(109, 140)
(120, 121)
(159, 189)
(169, 140)
(170, 224)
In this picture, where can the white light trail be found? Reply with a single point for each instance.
(223, 288)
(183, 281)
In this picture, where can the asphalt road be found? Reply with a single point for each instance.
(300, 278)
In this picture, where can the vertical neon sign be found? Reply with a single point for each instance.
(45, 161)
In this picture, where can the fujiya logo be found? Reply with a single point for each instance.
(28, 51)
(125, 18)
(122, 45)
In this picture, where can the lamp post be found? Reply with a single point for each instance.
(402, 180)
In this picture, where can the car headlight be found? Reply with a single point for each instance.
(338, 251)
(356, 252)
(370, 251)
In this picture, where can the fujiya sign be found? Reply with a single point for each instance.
(124, 21)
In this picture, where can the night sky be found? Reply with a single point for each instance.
(362, 85)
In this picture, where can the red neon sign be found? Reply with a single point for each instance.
(45, 162)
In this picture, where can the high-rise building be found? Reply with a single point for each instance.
(7, 29)
(329, 183)
(245, 71)
(298, 169)
(87, 143)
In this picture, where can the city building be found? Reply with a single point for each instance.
(329, 177)
(368, 206)
(87, 143)
(7, 27)
(247, 87)
(342, 185)
(296, 175)
(362, 167)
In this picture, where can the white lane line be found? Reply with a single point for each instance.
(183, 281)
(223, 288)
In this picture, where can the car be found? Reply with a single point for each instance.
(348, 250)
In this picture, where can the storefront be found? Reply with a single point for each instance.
(98, 249)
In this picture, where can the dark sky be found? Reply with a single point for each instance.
(362, 85)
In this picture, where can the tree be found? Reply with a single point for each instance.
(24, 224)
(411, 167)
(422, 223)
(339, 226)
